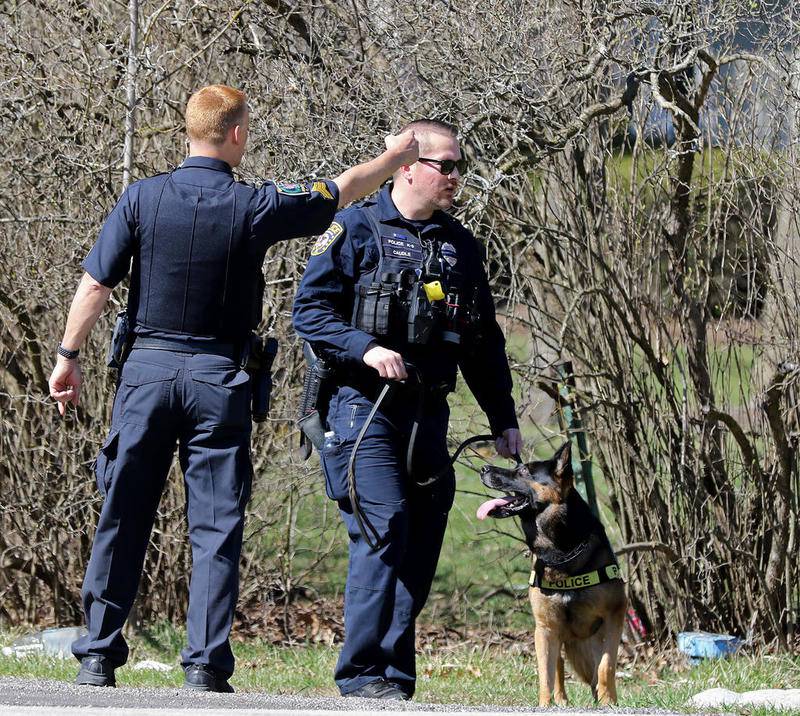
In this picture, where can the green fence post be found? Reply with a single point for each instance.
(570, 422)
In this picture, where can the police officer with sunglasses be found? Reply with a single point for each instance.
(396, 291)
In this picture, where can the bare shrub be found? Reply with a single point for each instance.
(664, 267)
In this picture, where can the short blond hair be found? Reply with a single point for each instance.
(212, 111)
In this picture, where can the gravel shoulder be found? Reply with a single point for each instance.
(40, 696)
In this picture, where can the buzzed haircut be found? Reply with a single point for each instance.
(436, 126)
(212, 111)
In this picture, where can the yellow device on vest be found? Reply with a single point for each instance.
(433, 291)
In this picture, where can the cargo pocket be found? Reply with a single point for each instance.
(346, 420)
(334, 467)
(222, 398)
(104, 465)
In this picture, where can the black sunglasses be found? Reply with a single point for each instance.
(446, 166)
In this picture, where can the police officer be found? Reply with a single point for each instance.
(196, 240)
(396, 282)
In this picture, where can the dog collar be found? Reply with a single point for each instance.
(578, 581)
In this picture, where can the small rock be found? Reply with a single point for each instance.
(19, 651)
(151, 665)
(775, 698)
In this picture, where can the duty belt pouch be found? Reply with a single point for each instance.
(259, 358)
(422, 317)
(120, 342)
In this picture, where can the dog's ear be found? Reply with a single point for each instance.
(563, 470)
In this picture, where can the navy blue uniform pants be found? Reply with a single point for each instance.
(387, 588)
(201, 403)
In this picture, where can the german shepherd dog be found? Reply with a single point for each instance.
(576, 593)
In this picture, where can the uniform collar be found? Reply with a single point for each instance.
(390, 213)
(206, 163)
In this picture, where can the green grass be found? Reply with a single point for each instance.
(733, 368)
(713, 164)
(469, 674)
(459, 594)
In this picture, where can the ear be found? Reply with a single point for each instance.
(563, 459)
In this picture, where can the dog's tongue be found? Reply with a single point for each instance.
(486, 508)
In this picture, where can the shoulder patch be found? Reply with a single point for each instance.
(322, 188)
(324, 242)
(291, 189)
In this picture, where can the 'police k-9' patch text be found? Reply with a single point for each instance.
(407, 248)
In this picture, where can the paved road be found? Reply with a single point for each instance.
(78, 711)
(38, 697)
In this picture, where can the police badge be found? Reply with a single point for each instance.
(324, 242)
(449, 254)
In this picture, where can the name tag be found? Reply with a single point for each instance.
(404, 248)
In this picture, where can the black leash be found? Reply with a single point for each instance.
(433, 479)
(361, 519)
(441, 473)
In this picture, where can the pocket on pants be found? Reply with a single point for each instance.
(379, 464)
(222, 398)
(334, 467)
(143, 391)
(104, 465)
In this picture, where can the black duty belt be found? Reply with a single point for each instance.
(370, 385)
(188, 345)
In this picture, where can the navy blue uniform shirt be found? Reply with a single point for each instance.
(196, 241)
(323, 306)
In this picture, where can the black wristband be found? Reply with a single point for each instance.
(68, 354)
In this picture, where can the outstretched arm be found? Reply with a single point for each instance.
(87, 305)
(287, 211)
(364, 179)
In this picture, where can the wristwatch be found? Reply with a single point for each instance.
(67, 353)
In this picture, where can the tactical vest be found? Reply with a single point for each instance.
(414, 295)
(197, 271)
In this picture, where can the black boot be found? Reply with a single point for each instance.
(379, 689)
(200, 677)
(95, 671)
